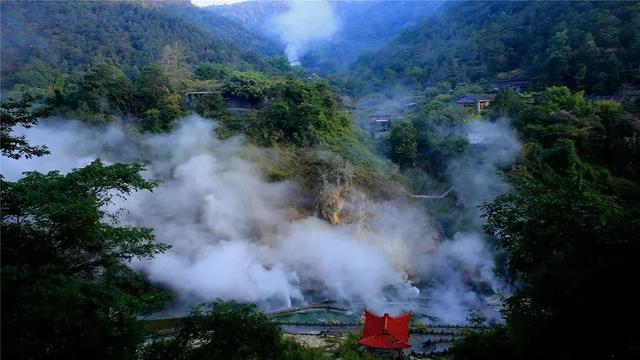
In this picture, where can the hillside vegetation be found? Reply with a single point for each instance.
(361, 26)
(564, 233)
(225, 28)
(43, 39)
(591, 46)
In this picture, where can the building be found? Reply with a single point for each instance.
(237, 103)
(386, 332)
(518, 86)
(193, 96)
(379, 124)
(478, 102)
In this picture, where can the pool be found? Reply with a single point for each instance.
(328, 315)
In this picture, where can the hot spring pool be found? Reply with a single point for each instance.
(317, 315)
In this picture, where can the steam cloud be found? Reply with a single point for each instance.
(302, 23)
(238, 237)
(476, 180)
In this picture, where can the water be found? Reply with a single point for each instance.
(317, 315)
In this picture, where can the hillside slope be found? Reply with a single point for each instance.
(225, 28)
(362, 25)
(593, 46)
(56, 37)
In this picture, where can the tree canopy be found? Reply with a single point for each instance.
(19, 113)
(67, 289)
(591, 46)
(568, 230)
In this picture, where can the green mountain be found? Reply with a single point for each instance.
(593, 46)
(56, 37)
(252, 14)
(224, 28)
(362, 25)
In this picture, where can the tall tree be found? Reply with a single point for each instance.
(174, 63)
(19, 113)
(223, 331)
(569, 233)
(67, 292)
(558, 58)
(106, 88)
(404, 144)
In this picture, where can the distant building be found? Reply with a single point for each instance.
(379, 124)
(193, 98)
(518, 86)
(478, 102)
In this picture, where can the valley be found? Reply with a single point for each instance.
(242, 181)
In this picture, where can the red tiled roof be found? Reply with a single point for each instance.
(386, 332)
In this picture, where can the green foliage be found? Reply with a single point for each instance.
(554, 99)
(591, 46)
(363, 25)
(105, 89)
(305, 114)
(208, 71)
(439, 135)
(292, 112)
(52, 36)
(152, 85)
(246, 85)
(313, 133)
(404, 145)
(224, 29)
(212, 105)
(600, 135)
(66, 288)
(507, 103)
(568, 231)
(495, 343)
(571, 256)
(104, 92)
(294, 351)
(350, 349)
(228, 331)
(19, 113)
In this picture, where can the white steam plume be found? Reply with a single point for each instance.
(492, 146)
(463, 266)
(238, 237)
(304, 22)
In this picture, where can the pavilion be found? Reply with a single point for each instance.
(386, 332)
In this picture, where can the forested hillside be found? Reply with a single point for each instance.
(252, 14)
(225, 28)
(43, 39)
(364, 26)
(67, 291)
(592, 46)
(361, 25)
(568, 231)
(266, 190)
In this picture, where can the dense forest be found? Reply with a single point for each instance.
(44, 40)
(573, 257)
(224, 28)
(564, 233)
(360, 27)
(591, 46)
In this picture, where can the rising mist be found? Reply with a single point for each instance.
(237, 236)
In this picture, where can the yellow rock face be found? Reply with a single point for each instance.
(331, 202)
